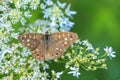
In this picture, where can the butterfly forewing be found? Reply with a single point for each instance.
(35, 42)
(58, 42)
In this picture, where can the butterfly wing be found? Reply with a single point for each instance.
(58, 42)
(35, 42)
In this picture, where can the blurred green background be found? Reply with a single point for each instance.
(99, 22)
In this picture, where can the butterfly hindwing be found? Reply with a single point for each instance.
(59, 42)
(39, 52)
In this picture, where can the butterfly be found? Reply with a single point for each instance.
(47, 46)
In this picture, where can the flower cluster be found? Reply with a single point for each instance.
(16, 61)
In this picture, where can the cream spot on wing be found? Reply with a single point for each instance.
(68, 34)
(30, 36)
(61, 49)
(65, 39)
(32, 46)
(28, 40)
(28, 44)
(33, 53)
(65, 42)
(37, 50)
(57, 48)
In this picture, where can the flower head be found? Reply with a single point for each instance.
(74, 71)
(56, 75)
(69, 12)
(109, 52)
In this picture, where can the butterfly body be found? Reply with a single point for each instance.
(48, 46)
(46, 39)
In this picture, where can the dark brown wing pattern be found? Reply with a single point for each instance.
(35, 42)
(58, 43)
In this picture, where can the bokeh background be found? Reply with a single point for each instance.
(99, 22)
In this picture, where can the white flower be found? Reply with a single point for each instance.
(42, 6)
(58, 74)
(48, 2)
(109, 52)
(53, 23)
(74, 71)
(85, 42)
(68, 12)
(45, 66)
(62, 5)
(67, 65)
(23, 20)
(44, 76)
(56, 16)
(47, 12)
(14, 35)
(36, 74)
(4, 50)
(14, 15)
(65, 24)
(89, 46)
(34, 4)
(27, 14)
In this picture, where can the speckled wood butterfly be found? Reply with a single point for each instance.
(48, 46)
